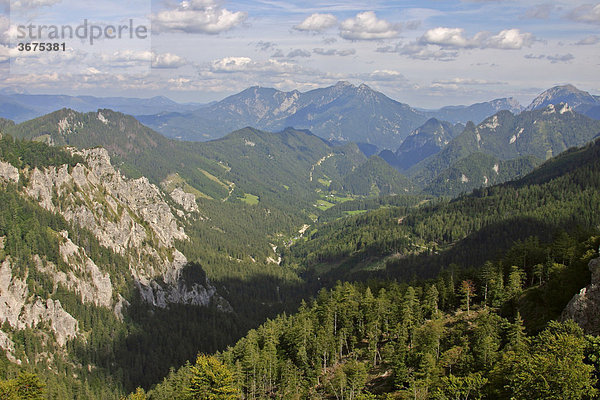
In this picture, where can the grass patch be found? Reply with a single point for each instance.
(175, 181)
(323, 205)
(213, 178)
(324, 182)
(249, 199)
(355, 212)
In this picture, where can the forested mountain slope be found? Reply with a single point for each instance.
(399, 241)
(541, 133)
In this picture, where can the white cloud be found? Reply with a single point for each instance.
(247, 65)
(167, 61)
(197, 16)
(385, 75)
(265, 46)
(465, 82)
(366, 26)
(420, 52)
(132, 58)
(334, 52)
(317, 23)
(589, 13)
(31, 4)
(298, 53)
(127, 57)
(511, 39)
(232, 64)
(589, 40)
(446, 37)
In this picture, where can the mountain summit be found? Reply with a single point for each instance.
(563, 94)
(342, 112)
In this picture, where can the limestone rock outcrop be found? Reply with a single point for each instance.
(584, 307)
(22, 310)
(129, 216)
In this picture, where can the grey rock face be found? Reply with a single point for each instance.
(21, 310)
(8, 172)
(584, 307)
(131, 217)
(186, 200)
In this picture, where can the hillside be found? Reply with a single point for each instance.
(400, 241)
(425, 141)
(479, 170)
(375, 177)
(458, 336)
(540, 133)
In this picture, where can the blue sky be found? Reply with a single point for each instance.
(424, 53)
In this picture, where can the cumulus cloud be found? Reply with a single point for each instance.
(247, 65)
(447, 37)
(509, 39)
(298, 53)
(417, 51)
(588, 13)
(197, 16)
(317, 23)
(589, 40)
(167, 61)
(131, 58)
(334, 52)
(366, 26)
(385, 75)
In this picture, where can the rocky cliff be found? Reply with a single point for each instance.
(584, 307)
(131, 218)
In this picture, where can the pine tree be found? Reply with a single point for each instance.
(212, 380)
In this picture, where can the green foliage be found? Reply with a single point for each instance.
(26, 386)
(376, 177)
(211, 380)
(551, 368)
(479, 170)
(508, 137)
(25, 153)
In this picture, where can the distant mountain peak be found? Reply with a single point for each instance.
(343, 84)
(562, 94)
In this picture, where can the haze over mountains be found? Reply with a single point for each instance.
(22, 106)
(342, 112)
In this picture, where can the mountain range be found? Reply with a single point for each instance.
(21, 107)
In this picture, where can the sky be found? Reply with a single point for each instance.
(428, 53)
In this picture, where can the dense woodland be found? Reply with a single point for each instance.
(458, 336)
